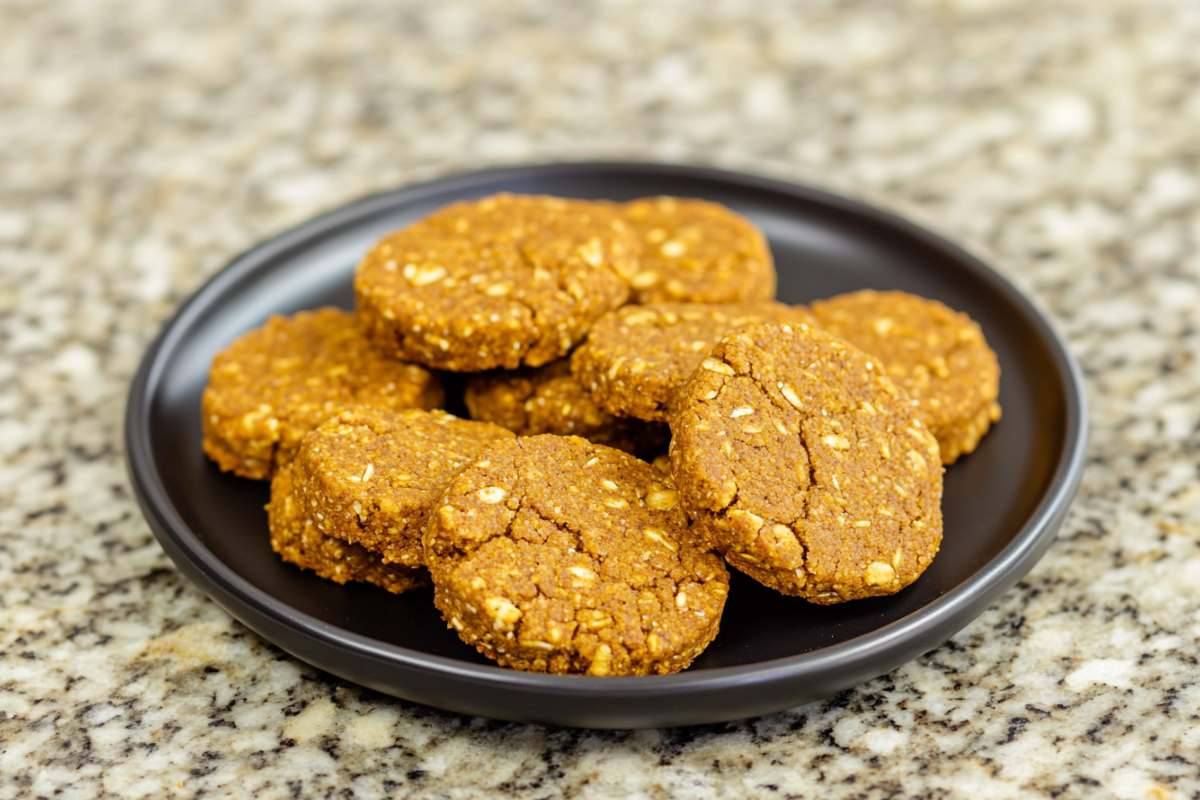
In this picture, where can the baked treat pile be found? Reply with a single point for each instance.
(559, 530)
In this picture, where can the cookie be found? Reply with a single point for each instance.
(505, 281)
(694, 251)
(550, 400)
(278, 382)
(801, 461)
(636, 357)
(937, 355)
(298, 542)
(555, 554)
(369, 477)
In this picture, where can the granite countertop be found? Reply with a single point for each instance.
(144, 143)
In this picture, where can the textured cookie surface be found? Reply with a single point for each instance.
(937, 355)
(806, 466)
(550, 399)
(694, 251)
(278, 382)
(369, 477)
(506, 281)
(297, 541)
(554, 554)
(636, 357)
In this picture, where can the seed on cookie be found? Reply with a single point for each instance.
(505, 281)
(937, 355)
(550, 399)
(581, 567)
(297, 541)
(637, 356)
(694, 251)
(278, 382)
(369, 477)
(824, 499)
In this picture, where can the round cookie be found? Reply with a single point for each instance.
(278, 382)
(298, 542)
(637, 356)
(369, 477)
(694, 251)
(935, 354)
(505, 281)
(554, 554)
(801, 461)
(549, 399)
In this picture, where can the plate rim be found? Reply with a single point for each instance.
(943, 614)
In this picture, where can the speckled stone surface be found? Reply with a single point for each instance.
(143, 143)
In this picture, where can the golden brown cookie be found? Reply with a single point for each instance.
(549, 399)
(554, 554)
(278, 382)
(806, 466)
(637, 356)
(694, 251)
(369, 477)
(298, 542)
(937, 355)
(505, 281)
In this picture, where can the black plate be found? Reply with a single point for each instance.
(1002, 504)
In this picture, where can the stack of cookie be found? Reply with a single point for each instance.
(559, 530)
